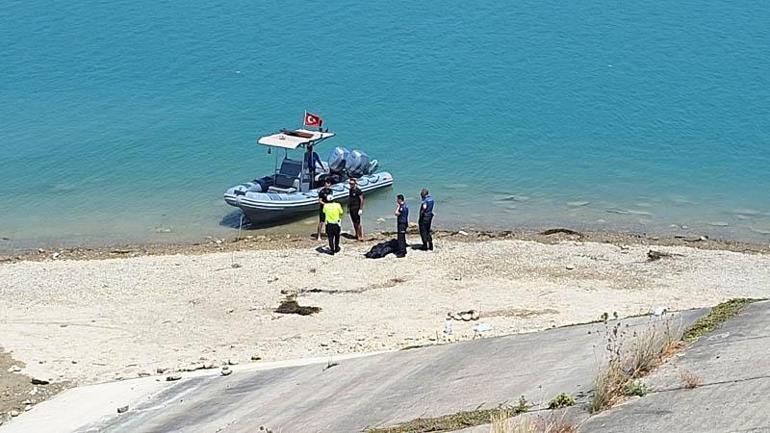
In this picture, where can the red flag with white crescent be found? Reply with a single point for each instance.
(313, 120)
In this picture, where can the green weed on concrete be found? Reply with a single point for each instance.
(446, 423)
(561, 400)
(718, 315)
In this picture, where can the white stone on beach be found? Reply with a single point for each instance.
(570, 267)
(14, 413)
(482, 327)
(226, 371)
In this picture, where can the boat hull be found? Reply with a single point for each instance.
(277, 208)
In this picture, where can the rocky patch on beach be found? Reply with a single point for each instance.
(20, 393)
(289, 241)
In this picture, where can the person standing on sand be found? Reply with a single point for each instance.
(402, 223)
(333, 215)
(356, 207)
(322, 193)
(426, 220)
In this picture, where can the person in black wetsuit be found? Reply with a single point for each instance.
(356, 207)
(402, 223)
(322, 194)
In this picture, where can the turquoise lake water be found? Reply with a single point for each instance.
(126, 121)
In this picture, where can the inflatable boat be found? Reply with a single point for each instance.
(292, 190)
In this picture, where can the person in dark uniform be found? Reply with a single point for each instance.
(402, 223)
(322, 193)
(426, 219)
(356, 207)
(312, 160)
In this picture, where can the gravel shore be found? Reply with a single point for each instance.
(87, 321)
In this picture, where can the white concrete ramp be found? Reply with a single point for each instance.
(353, 394)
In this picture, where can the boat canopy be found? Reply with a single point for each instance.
(292, 139)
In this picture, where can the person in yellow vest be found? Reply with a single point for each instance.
(333, 216)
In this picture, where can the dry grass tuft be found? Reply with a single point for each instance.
(500, 423)
(689, 379)
(541, 424)
(648, 350)
(609, 387)
(651, 348)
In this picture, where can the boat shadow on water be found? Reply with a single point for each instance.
(238, 219)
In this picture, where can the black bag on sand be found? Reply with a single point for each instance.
(382, 249)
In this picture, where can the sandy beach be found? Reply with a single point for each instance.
(92, 320)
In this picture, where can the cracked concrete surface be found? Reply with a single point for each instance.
(733, 365)
(377, 390)
(732, 362)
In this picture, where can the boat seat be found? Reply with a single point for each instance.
(287, 178)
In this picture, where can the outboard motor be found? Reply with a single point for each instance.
(373, 165)
(358, 163)
(338, 160)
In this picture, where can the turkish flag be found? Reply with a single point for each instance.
(313, 120)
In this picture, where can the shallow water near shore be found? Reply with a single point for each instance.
(126, 122)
